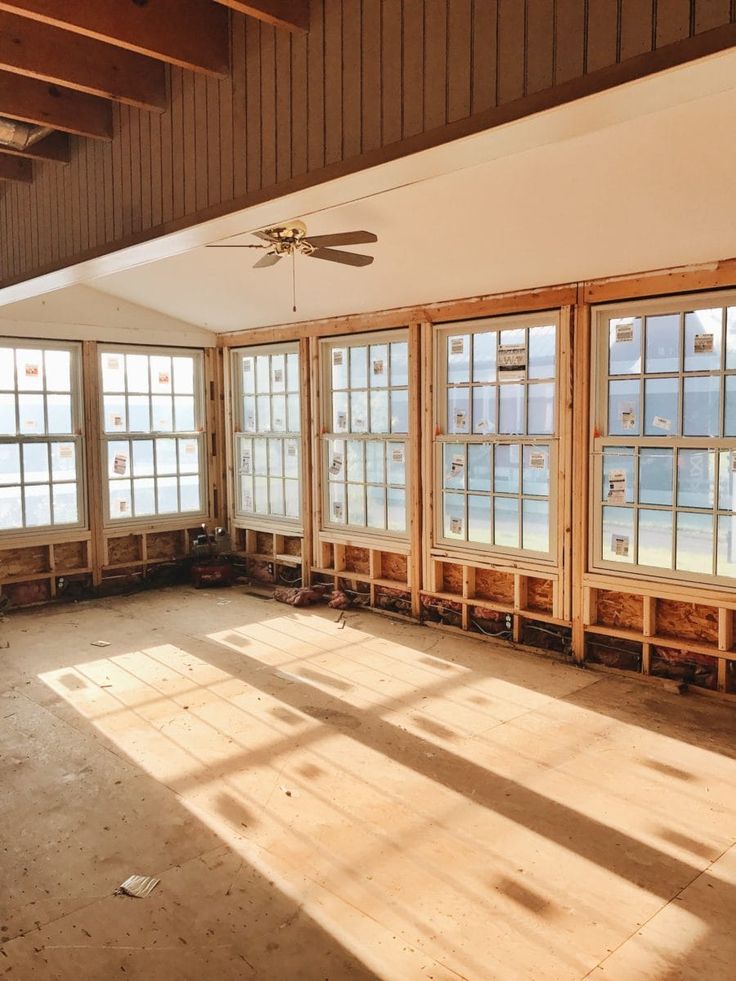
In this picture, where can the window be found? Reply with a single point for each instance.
(496, 413)
(664, 452)
(40, 441)
(267, 440)
(366, 413)
(152, 425)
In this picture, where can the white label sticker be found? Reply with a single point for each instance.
(337, 357)
(247, 501)
(250, 421)
(278, 422)
(537, 461)
(291, 448)
(112, 363)
(337, 509)
(29, 424)
(703, 343)
(481, 425)
(120, 464)
(659, 422)
(358, 423)
(457, 465)
(164, 378)
(378, 367)
(122, 506)
(190, 449)
(457, 345)
(620, 544)
(248, 365)
(278, 376)
(66, 452)
(616, 487)
(511, 361)
(116, 421)
(336, 464)
(456, 526)
(733, 461)
(342, 420)
(628, 417)
(460, 419)
(397, 454)
(32, 370)
(625, 332)
(245, 462)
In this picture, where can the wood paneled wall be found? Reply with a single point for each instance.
(372, 79)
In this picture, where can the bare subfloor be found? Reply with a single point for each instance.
(349, 800)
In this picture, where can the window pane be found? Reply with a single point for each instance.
(358, 367)
(114, 410)
(655, 538)
(58, 371)
(359, 412)
(143, 458)
(623, 408)
(511, 408)
(396, 464)
(454, 466)
(661, 400)
(260, 494)
(292, 372)
(703, 331)
(29, 367)
(163, 415)
(336, 460)
(506, 521)
(263, 379)
(375, 472)
(655, 476)
(479, 519)
(399, 363)
(730, 420)
(618, 475)
(291, 498)
(36, 462)
(379, 367)
(184, 413)
(484, 357)
(11, 509)
(339, 412)
(260, 457)
(293, 424)
(535, 532)
(340, 366)
(263, 413)
(278, 413)
(276, 495)
(695, 478)
(139, 414)
(291, 458)
(484, 409)
(400, 411)
(38, 505)
(183, 376)
(355, 461)
(9, 464)
(249, 414)
(730, 338)
(624, 341)
(7, 415)
(618, 534)
(167, 495)
(542, 352)
(166, 458)
(479, 468)
(396, 501)
(663, 343)
(59, 413)
(458, 359)
(356, 504)
(249, 375)
(278, 373)
(694, 542)
(458, 410)
(139, 379)
(65, 504)
(727, 480)
(727, 546)
(506, 470)
(30, 411)
(144, 497)
(454, 516)
(120, 500)
(246, 495)
(376, 506)
(379, 412)
(536, 470)
(701, 406)
(118, 458)
(541, 409)
(7, 369)
(161, 378)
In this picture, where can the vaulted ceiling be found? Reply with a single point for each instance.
(62, 64)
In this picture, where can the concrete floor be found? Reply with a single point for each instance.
(357, 800)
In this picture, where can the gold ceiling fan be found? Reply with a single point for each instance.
(291, 239)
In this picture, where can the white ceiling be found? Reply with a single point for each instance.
(630, 180)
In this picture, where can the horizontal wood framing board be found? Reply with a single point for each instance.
(301, 109)
(32, 101)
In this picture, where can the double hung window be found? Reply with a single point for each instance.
(497, 418)
(365, 445)
(664, 446)
(153, 433)
(41, 465)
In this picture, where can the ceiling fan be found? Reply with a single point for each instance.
(291, 239)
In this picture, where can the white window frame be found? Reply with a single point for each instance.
(76, 436)
(370, 536)
(259, 521)
(602, 315)
(549, 441)
(169, 518)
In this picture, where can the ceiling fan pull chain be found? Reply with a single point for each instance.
(293, 281)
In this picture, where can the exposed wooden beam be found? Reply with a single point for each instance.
(39, 51)
(54, 147)
(193, 34)
(15, 169)
(37, 102)
(291, 14)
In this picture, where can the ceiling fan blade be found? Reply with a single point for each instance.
(270, 259)
(236, 246)
(342, 238)
(346, 258)
(264, 235)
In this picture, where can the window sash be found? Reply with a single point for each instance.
(244, 474)
(546, 443)
(363, 436)
(636, 514)
(155, 436)
(22, 439)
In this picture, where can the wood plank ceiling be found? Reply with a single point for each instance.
(63, 64)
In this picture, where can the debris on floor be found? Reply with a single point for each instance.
(100, 643)
(339, 600)
(138, 886)
(304, 596)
